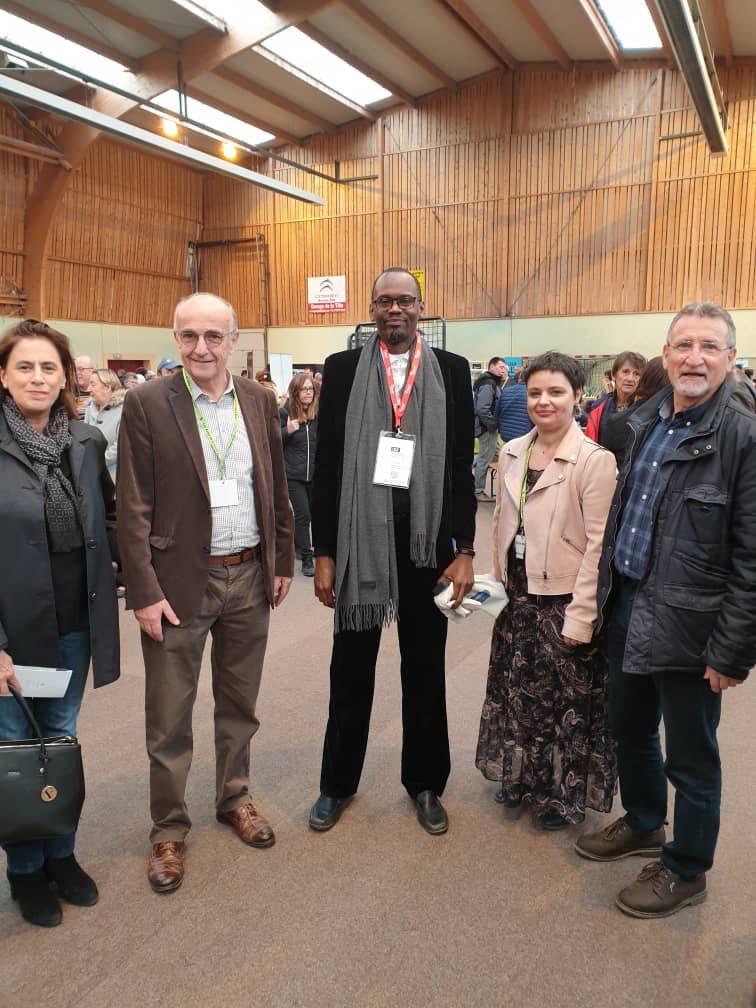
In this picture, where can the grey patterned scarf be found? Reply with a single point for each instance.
(44, 451)
(367, 584)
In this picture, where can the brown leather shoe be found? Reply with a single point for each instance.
(165, 869)
(249, 825)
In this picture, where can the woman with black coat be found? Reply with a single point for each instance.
(299, 433)
(58, 596)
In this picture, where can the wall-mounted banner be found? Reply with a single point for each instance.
(419, 275)
(326, 294)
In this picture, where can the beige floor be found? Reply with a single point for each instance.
(376, 912)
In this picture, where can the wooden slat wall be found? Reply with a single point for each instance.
(14, 172)
(530, 194)
(119, 244)
(535, 194)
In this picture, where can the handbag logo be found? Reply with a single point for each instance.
(49, 793)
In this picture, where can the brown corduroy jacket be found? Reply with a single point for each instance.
(163, 498)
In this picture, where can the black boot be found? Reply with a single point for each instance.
(308, 568)
(73, 883)
(36, 902)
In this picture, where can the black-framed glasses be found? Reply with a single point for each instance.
(189, 338)
(404, 301)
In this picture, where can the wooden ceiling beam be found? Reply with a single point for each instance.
(723, 31)
(480, 32)
(400, 43)
(313, 82)
(601, 28)
(349, 57)
(254, 89)
(59, 28)
(542, 31)
(138, 25)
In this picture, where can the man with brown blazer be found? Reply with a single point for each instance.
(206, 539)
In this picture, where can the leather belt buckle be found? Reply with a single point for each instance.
(234, 559)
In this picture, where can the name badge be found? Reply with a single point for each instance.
(519, 545)
(393, 460)
(223, 493)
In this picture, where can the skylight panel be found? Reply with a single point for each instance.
(295, 47)
(630, 23)
(218, 122)
(58, 48)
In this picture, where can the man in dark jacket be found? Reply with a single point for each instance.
(393, 513)
(512, 417)
(680, 558)
(485, 397)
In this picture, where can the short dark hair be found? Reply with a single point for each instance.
(496, 360)
(636, 360)
(32, 329)
(553, 360)
(397, 269)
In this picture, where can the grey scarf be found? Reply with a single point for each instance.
(367, 584)
(44, 451)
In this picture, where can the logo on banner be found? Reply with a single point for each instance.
(326, 294)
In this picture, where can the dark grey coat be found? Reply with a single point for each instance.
(696, 605)
(28, 626)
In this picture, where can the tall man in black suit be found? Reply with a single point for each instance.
(393, 514)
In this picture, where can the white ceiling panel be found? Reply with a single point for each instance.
(366, 44)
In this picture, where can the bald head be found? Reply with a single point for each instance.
(202, 300)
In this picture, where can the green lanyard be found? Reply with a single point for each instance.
(203, 424)
(524, 489)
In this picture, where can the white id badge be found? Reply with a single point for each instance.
(519, 545)
(393, 460)
(223, 493)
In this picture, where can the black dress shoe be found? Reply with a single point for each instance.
(73, 883)
(36, 902)
(430, 813)
(326, 812)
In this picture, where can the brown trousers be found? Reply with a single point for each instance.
(235, 612)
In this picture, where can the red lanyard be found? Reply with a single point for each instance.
(400, 407)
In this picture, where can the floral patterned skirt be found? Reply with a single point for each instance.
(544, 731)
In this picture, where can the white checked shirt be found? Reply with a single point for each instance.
(234, 527)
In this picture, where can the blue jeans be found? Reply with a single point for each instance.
(637, 703)
(55, 716)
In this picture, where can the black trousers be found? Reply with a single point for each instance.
(422, 643)
(300, 495)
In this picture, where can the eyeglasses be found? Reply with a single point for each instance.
(404, 301)
(707, 348)
(189, 338)
(80, 368)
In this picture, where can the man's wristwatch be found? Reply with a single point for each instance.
(465, 551)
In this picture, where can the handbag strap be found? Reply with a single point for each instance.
(43, 757)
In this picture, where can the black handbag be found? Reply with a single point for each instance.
(41, 784)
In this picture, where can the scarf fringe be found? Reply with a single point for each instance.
(366, 615)
(422, 553)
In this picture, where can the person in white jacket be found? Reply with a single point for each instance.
(104, 411)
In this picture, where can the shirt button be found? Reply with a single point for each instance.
(708, 447)
(687, 423)
(695, 451)
(670, 431)
(93, 595)
(644, 496)
(627, 563)
(633, 531)
(654, 464)
(561, 475)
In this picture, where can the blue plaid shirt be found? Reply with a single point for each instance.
(633, 543)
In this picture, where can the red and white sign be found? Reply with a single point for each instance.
(326, 294)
